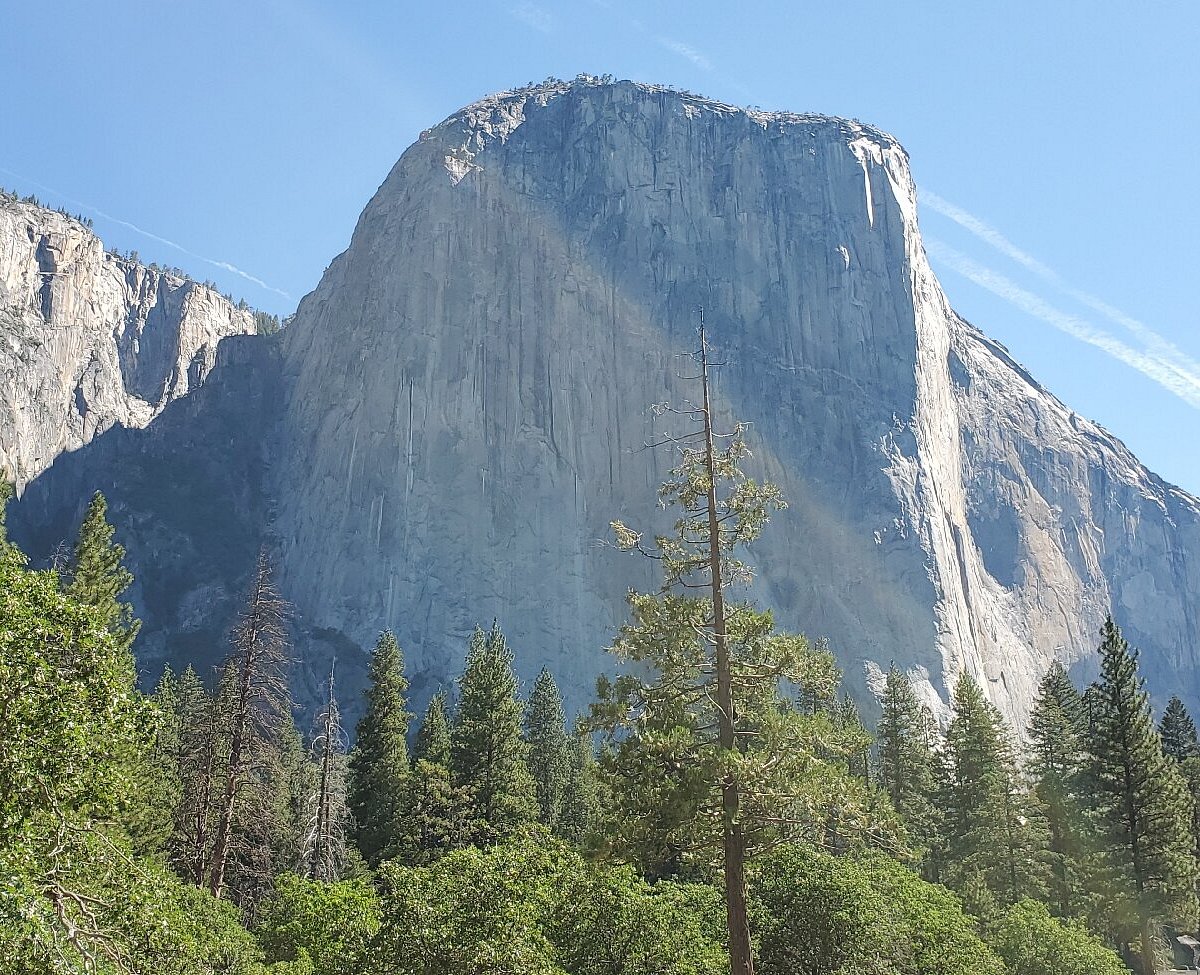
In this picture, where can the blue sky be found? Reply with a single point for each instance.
(1055, 143)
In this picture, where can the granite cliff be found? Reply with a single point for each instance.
(459, 409)
(90, 339)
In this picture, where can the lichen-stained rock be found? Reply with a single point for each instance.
(89, 339)
(467, 394)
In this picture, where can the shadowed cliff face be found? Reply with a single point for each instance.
(461, 409)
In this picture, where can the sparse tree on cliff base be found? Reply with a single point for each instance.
(711, 758)
(323, 850)
(1141, 804)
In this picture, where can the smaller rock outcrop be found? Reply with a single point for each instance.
(90, 339)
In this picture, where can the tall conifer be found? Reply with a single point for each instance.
(549, 747)
(97, 573)
(435, 810)
(1178, 731)
(487, 752)
(379, 767)
(433, 736)
(581, 798)
(991, 834)
(1140, 802)
(1056, 762)
(904, 748)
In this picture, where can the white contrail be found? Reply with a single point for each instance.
(533, 16)
(686, 51)
(1170, 375)
(1162, 347)
(224, 265)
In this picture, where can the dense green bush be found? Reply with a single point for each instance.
(535, 906)
(816, 914)
(1032, 942)
(330, 924)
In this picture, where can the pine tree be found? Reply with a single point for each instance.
(1140, 803)
(433, 736)
(549, 747)
(581, 797)
(156, 788)
(256, 707)
(1056, 763)
(991, 833)
(97, 574)
(435, 810)
(713, 752)
(849, 722)
(904, 750)
(1178, 731)
(487, 752)
(379, 763)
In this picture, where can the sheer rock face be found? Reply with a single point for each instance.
(89, 339)
(466, 399)
(459, 410)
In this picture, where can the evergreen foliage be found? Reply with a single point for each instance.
(817, 914)
(6, 494)
(1032, 942)
(379, 768)
(98, 575)
(994, 844)
(531, 905)
(433, 736)
(581, 798)
(487, 751)
(435, 810)
(550, 753)
(1141, 806)
(1056, 765)
(1178, 731)
(904, 760)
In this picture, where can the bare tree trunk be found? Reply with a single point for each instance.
(1148, 961)
(233, 776)
(741, 958)
(324, 838)
(259, 701)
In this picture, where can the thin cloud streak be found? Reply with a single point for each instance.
(531, 15)
(686, 51)
(1183, 383)
(1161, 346)
(223, 265)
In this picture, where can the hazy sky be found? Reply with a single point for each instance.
(1055, 143)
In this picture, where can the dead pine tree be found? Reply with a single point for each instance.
(324, 850)
(255, 696)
